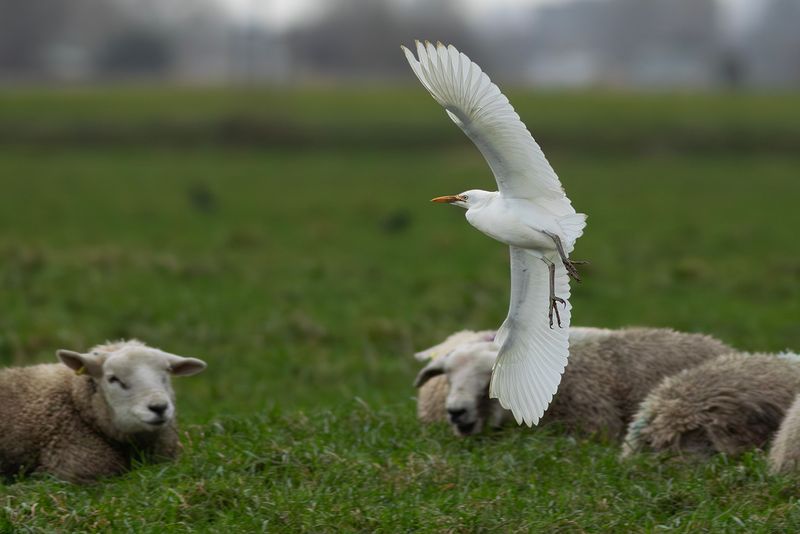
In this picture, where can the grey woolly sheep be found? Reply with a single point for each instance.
(89, 417)
(609, 373)
(729, 404)
(784, 454)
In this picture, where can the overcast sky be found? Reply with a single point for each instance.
(280, 14)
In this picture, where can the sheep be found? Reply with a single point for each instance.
(460, 390)
(729, 404)
(785, 450)
(432, 395)
(90, 415)
(609, 372)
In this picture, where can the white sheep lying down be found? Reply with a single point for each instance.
(89, 416)
(609, 373)
(729, 404)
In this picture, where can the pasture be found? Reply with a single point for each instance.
(286, 238)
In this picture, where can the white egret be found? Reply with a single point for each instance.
(530, 213)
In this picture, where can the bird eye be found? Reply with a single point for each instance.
(114, 380)
(464, 198)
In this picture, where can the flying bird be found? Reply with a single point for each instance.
(530, 213)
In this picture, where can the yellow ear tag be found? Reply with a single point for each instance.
(81, 371)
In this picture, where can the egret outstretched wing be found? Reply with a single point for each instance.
(532, 355)
(478, 107)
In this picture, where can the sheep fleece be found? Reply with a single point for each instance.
(729, 404)
(785, 451)
(53, 421)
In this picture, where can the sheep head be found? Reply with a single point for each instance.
(454, 341)
(134, 380)
(468, 369)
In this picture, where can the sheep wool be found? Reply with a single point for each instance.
(608, 377)
(729, 404)
(79, 421)
(784, 454)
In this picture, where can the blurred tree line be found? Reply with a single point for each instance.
(98, 39)
(636, 43)
(92, 40)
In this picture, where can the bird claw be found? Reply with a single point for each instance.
(569, 265)
(554, 308)
(571, 270)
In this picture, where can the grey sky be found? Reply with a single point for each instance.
(279, 14)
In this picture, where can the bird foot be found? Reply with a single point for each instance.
(569, 265)
(554, 308)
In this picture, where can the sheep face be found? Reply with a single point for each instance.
(135, 384)
(468, 369)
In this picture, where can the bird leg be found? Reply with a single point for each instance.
(569, 265)
(554, 300)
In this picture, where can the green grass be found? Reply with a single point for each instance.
(286, 237)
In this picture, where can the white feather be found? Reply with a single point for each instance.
(532, 355)
(478, 107)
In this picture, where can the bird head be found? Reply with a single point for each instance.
(467, 199)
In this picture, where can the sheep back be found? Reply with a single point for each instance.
(729, 404)
(607, 377)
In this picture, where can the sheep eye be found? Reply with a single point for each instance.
(114, 380)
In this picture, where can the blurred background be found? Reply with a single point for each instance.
(248, 181)
(544, 43)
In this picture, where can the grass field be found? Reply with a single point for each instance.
(286, 238)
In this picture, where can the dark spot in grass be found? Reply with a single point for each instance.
(674, 502)
(202, 198)
(243, 239)
(687, 269)
(396, 222)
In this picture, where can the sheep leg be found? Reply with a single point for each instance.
(569, 265)
(82, 458)
(554, 300)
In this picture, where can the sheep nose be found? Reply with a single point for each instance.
(158, 409)
(455, 413)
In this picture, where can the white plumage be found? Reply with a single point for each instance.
(530, 213)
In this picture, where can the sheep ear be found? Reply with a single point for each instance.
(180, 366)
(434, 368)
(424, 355)
(91, 364)
(441, 348)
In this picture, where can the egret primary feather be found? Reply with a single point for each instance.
(530, 213)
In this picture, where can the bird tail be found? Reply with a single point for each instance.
(572, 225)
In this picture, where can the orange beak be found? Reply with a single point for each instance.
(449, 199)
